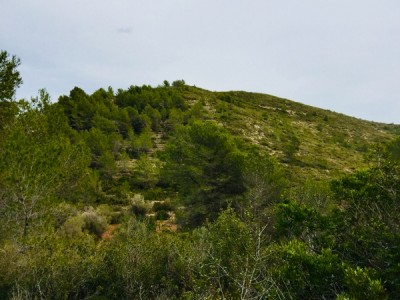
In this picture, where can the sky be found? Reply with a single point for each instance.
(341, 55)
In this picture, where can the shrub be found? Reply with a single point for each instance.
(162, 206)
(155, 193)
(139, 206)
(179, 83)
(361, 285)
(73, 226)
(62, 212)
(162, 215)
(94, 223)
(118, 217)
(105, 211)
(138, 210)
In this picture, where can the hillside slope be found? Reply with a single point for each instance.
(313, 142)
(165, 193)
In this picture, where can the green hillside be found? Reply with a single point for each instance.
(175, 192)
(311, 141)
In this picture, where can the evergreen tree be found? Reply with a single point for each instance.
(206, 166)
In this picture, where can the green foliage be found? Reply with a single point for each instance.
(154, 102)
(372, 234)
(175, 118)
(49, 268)
(78, 109)
(101, 147)
(313, 194)
(36, 166)
(94, 223)
(304, 274)
(362, 286)
(164, 205)
(90, 221)
(8, 111)
(393, 149)
(257, 233)
(10, 78)
(154, 116)
(293, 220)
(264, 181)
(291, 145)
(146, 264)
(162, 215)
(141, 144)
(206, 166)
(139, 206)
(178, 83)
(147, 172)
(228, 255)
(139, 210)
(73, 227)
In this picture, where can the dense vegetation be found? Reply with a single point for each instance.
(174, 192)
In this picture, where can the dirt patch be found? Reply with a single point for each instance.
(108, 234)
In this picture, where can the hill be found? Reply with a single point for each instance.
(313, 142)
(176, 192)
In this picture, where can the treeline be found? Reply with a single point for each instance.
(76, 223)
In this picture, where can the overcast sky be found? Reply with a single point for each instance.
(342, 55)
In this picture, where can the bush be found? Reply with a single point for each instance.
(155, 193)
(361, 285)
(139, 206)
(118, 217)
(73, 226)
(139, 210)
(94, 223)
(105, 211)
(162, 206)
(62, 212)
(162, 215)
(179, 83)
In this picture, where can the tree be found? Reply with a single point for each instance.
(78, 108)
(36, 165)
(100, 146)
(10, 78)
(179, 83)
(206, 166)
(264, 180)
(371, 218)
